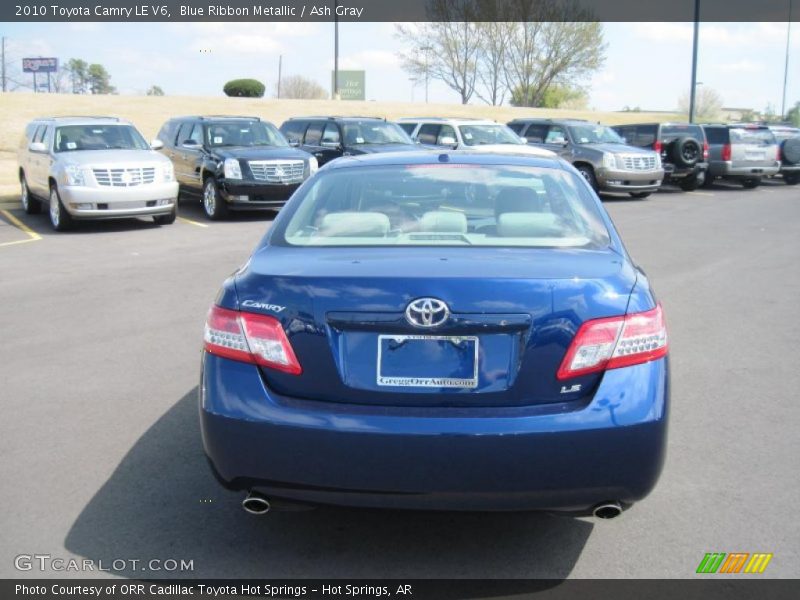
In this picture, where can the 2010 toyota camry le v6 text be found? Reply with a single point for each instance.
(458, 331)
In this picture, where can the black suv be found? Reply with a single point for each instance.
(234, 162)
(331, 137)
(683, 148)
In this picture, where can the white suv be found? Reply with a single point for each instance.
(94, 168)
(467, 134)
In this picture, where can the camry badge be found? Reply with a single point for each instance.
(427, 312)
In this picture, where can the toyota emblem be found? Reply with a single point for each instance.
(427, 312)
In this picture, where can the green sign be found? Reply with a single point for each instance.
(351, 85)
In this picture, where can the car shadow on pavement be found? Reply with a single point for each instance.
(162, 502)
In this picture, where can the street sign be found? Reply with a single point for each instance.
(39, 65)
(351, 85)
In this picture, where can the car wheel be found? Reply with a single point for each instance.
(686, 151)
(167, 219)
(29, 204)
(751, 183)
(708, 182)
(689, 184)
(588, 175)
(791, 178)
(60, 219)
(213, 204)
(639, 194)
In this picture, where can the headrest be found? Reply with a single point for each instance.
(527, 224)
(355, 224)
(516, 199)
(445, 221)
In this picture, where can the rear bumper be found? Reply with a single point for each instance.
(675, 173)
(252, 195)
(629, 181)
(558, 458)
(111, 202)
(726, 169)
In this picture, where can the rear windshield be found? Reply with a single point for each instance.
(762, 137)
(675, 131)
(71, 138)
(445, 205)
(243, 133)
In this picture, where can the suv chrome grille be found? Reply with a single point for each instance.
(127, 177)
(638, 162)
(278, 171)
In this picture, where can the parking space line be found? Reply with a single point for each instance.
(191, 222)
(32, 235)
(700, 193)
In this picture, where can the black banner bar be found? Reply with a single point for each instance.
(396, 10)
(711, 587)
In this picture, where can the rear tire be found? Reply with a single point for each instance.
(60, 219)
(791, 178)
(709, 181)
(639, 195)
(588, 175)
(213, 204)
(689, 184)
(167, 219)
(29, 204)
(750, 184)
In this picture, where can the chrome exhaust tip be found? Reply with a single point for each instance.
(256, 504)
(607, 510)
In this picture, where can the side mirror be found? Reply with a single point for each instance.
(526, 140)
(156, 144)
(191, 145)
(448, 141)
(294, 143)
(333, 145)
(37, 147)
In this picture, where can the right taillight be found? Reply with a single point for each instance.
(251, 338)
(726, 152)
(705, 151)
(615, 342)
(657, 146)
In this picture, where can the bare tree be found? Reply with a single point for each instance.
(298, 87)
(491, 61)
(446, 48)
(551, 43)
(707, 104)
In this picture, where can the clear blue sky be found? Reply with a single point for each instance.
(647, 65)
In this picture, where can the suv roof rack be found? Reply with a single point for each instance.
(334, 117)
(57, 117)
(251, 118)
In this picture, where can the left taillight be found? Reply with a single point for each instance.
(251, 338)
(615, 342)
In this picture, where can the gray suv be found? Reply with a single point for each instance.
(789, 140)
(743, 153)
(94, 168)
(598, 152)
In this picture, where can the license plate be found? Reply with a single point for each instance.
(438, 361)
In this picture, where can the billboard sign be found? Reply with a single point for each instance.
(39, 65)
(351, 85)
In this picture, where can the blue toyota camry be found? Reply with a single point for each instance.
(458, 331)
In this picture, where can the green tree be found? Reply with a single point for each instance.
(155, 90)
(793, 114)
(556, 96)
(78, 71)
(99, 80)
(245, 88)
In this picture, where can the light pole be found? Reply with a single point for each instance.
(786, 61)
(336, 50)
(693, 89)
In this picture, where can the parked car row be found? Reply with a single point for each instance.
(102, 167)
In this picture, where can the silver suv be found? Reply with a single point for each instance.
(598, 152)
(466, 134)
(94, 168)
(743, 153)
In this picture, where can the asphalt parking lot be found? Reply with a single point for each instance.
(101, 450)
